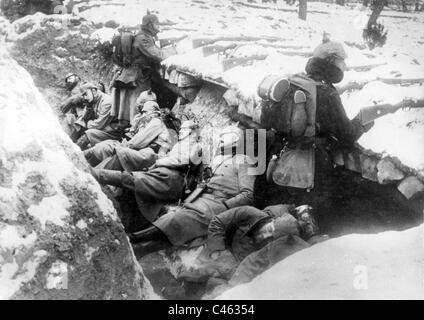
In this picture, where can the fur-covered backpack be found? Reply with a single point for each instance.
(122, 49)
(289, 106)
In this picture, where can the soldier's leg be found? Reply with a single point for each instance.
(142, 249)
(114, 178)
(83, 142)
(100, 151)
(148, 234)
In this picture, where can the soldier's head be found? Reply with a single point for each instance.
(327, 62)
(89, 92)
(150, 109)
(189, 128)
(71, 80)
(145, 96)
(229, 139)
(283, 223)
(263, 232)
(150, 23)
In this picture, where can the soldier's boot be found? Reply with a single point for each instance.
(142, 249)
(83, 142)
(148, 234)
(111, 177)
(307, 223)
(91, 158)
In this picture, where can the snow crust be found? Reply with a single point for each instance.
(387, 265)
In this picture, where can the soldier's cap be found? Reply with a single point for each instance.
(149, 18)
(86, 86)
(285, 225)
(189, 124)
(145, 96)
(150, 106)
(232, 130)
(70, 74)
(279, 210)
(334, 50)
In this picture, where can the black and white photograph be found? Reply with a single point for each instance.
(213, 151)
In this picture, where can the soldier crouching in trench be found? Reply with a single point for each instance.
(164, 181)
(331, 129)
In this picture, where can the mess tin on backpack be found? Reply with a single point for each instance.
(273, 87)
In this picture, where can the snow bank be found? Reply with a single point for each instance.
(387, 265)
(52, 211)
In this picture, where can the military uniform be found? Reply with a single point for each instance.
(103, 126)
(145, 59)
(230, 186)
(151, 142)
(162, 184)
(230, 233)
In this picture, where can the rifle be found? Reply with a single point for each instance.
(170, 41)
(370, 113)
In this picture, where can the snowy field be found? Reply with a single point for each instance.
(283, 44)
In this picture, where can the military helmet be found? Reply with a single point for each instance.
(145, 96)
(87, 86)
(149, 18)
(232, 130)
(70, 74)
(332, 51)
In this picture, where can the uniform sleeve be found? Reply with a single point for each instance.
(179, 156)
(246, 182)
(71, 102)
(226, 221)
(148, 48)
(147, 135)
(345, 130)
(102, 119)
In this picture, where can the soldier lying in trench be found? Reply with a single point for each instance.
(245, 241)
(150, 140)
(230, 186)
(164, 181)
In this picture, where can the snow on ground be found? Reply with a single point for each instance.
(388, 265)
(402, 56)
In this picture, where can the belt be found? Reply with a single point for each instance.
(215, 192)
(182, 169)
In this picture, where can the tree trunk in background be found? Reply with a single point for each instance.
(404, 6)
(377, 8)
(340, 2)
(303, 9)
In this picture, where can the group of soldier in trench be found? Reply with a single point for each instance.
(131, 148)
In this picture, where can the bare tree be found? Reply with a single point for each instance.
(377, 7)
(375, 33)
(303, 9)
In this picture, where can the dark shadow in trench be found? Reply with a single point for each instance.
(347, 204)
